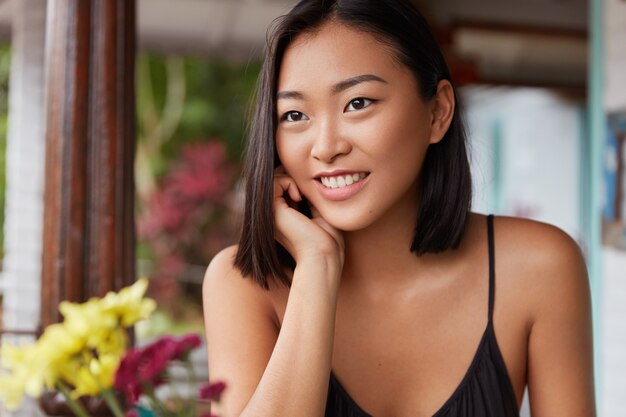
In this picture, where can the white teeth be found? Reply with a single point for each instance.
(341, 181)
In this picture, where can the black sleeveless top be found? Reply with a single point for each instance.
(485, 390)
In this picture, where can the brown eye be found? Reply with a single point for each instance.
(293, 116)
(358, 104)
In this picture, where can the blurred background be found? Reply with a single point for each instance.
(543, 84)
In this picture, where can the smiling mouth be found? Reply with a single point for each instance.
(341, 181)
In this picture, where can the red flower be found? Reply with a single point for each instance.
(155, 358)
(212, 391)
(147, 366)
(186, 344)
(125, 377)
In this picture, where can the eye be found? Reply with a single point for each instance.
(358, 104)
(293, 116)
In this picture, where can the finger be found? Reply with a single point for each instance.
(286, 184)
(317, 218)
(280, 185)
(314, 212)
(294, 192)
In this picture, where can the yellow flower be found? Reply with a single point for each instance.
(84, 383)
(114, 342)
(27, 374)
(58, 342)
(84, 351)
(83, 320)
(87, 362)
(103, 369)
(93, 376)
(11, 392)
(129, 304)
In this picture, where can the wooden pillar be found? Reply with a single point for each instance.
(89, 237)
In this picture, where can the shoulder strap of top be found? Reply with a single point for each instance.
(492, 268)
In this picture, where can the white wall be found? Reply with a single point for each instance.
(525, 154)
(615, 55)
(21, 280)
(613, 339)
(613, 331)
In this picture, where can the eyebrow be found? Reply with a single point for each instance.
(336, 89)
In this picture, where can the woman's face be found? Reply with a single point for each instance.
(352, 129)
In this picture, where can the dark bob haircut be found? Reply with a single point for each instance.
(445, 189)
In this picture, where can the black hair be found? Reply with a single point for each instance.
(445, 189)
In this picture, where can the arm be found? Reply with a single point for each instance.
(269, 372)
(276, 370)
(560, 356)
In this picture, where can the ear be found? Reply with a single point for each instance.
(442, 111)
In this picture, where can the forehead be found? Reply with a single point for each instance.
(335, 52)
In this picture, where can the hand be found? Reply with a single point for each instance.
(301, 236)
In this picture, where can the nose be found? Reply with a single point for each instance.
(329, 143)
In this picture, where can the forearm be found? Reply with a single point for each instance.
(295, 381)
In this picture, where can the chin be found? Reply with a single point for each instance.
(348, 221)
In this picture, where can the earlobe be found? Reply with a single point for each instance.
(443, 105)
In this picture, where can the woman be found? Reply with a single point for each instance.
(362, 283)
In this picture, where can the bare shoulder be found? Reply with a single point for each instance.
(223, 280)
(534, 238)
(222, 266)
(225, 288)
(547, 263)
(222, 271)
(537, 244)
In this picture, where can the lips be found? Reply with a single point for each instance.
(341, 185)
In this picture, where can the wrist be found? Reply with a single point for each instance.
(327, 253)
(320, 269)
(326, 263)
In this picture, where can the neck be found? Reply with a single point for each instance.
(379, 255)
(379, 259)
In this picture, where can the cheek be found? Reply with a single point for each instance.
(398, 137)
(291, 156)
(282, 150)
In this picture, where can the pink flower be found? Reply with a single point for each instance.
(205, 172)
(186, 219)
(212, 391)
(132, 413)
(202, 175)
